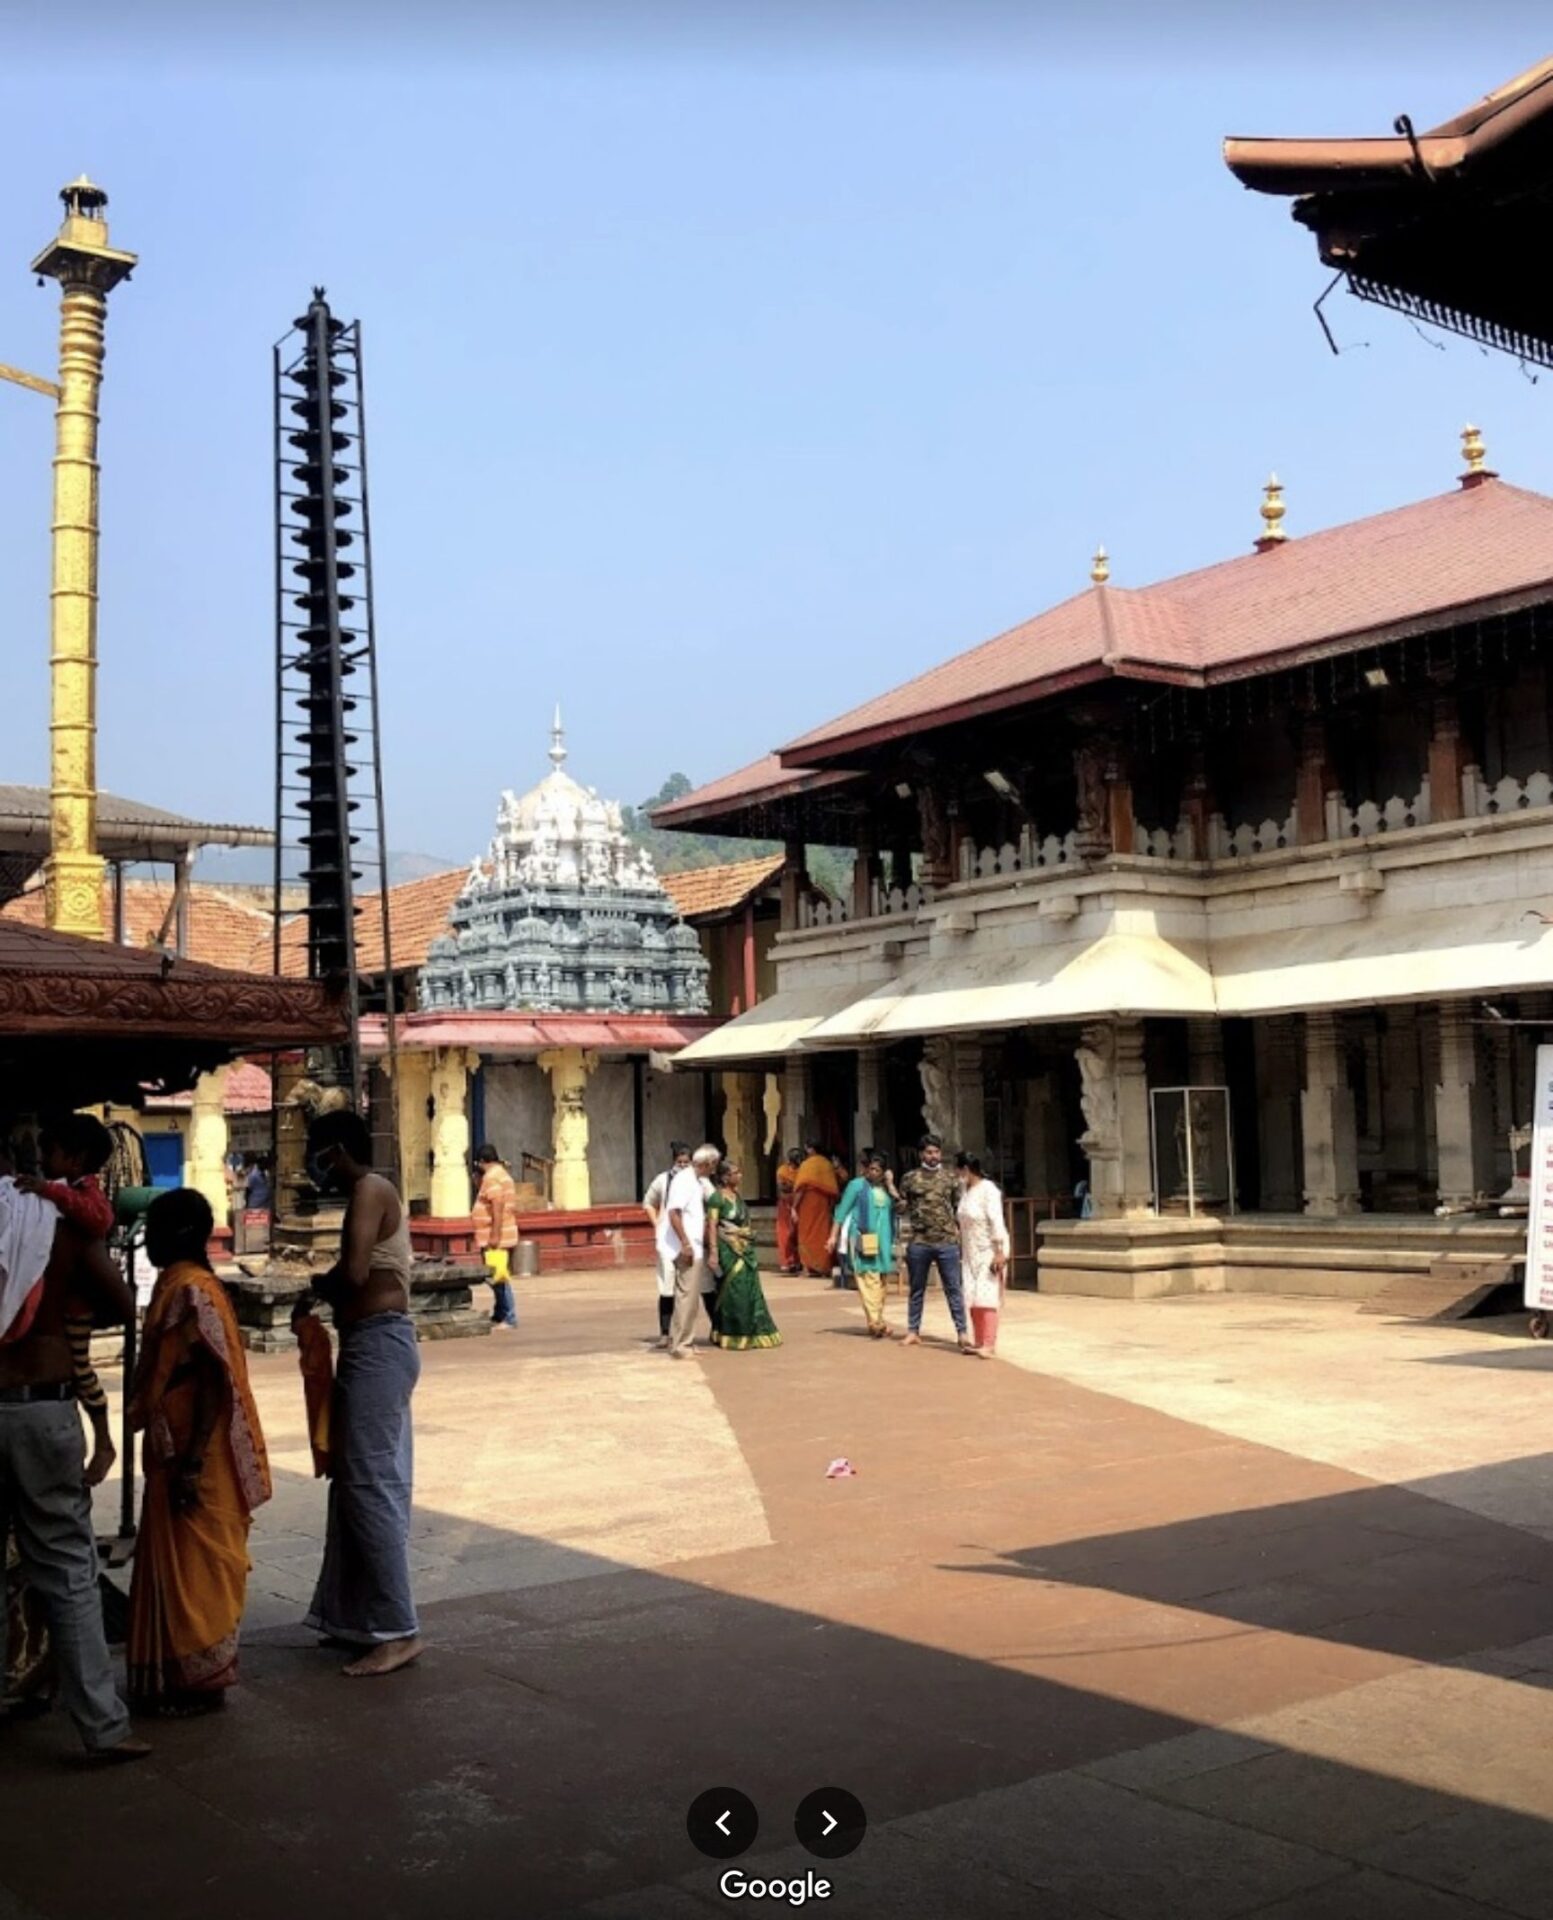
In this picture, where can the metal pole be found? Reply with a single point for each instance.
(390, 993)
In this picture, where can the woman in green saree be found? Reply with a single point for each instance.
(743, 1318)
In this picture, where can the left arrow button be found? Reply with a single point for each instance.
(722, 1823)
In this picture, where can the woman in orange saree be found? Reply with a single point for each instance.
(786, 1219)
(815, 1193)
(205, 1473)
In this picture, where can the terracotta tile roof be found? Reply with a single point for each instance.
(1410, 570)
(417, 914)
(223, 932)
(249, 1089)
(706, 890)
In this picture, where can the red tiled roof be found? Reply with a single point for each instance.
(249, 1089)
(1415, 568)
(764, 779)
(702, 890)
(417, 915)
(223, 932)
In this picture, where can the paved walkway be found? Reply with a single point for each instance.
(1208, 1608)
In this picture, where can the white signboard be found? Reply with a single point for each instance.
(1539, 1225)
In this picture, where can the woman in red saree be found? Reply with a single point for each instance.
(786, 1218)
(205, 1473)
(815, 1193)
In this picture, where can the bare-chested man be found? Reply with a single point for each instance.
(43, 1492)
(363, 1598)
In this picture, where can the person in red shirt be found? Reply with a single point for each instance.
(72, 1152)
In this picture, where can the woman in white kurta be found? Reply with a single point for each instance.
(984, 1246)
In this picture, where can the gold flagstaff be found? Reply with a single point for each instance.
(88, 270)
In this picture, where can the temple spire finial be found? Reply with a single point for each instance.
(1273, 533)
(1100, 567)
(1477, 469)
(557, 739)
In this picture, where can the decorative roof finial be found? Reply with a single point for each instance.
(1273, 534)
(1100, 567)
(1474, 453)
(557, 739)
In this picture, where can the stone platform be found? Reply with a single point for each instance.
(441, 1302)
(1350, 1258)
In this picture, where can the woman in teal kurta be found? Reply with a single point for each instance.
(743, 1318)
(867, 1216)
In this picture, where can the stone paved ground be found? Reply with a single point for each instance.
(1208, 1608)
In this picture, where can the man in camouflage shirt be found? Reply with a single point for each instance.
(931, 1192)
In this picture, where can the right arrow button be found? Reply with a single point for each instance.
(830, 1823)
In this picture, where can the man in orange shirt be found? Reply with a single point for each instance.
(496, 1231)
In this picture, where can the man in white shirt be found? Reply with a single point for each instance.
(682, 1236)
(655, 1200)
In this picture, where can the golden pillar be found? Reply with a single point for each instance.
(569, 1068)
(451, 1190)
(206, 1150)
(88, 270)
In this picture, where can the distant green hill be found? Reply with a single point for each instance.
(831, 867)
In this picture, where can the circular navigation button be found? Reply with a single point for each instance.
(722, 1822)
(830, 1823)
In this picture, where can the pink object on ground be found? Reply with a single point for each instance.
(841, 1470)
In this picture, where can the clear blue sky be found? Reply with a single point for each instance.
(717, 379)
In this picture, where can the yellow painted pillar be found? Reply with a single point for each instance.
(87, 269)
(205, 1146)
(451, 1194)
(568, 1068)
(415, 1125)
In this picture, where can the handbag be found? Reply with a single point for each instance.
(868, 1245)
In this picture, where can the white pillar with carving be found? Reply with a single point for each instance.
(1115, 1098)
(796, 1119)
(569, 1068)
(1328, 1126)
(451, 1191)
(1456, 1128)
(206, 1148)
(870, 1100)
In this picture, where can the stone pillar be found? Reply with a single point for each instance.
(936, 1071)
(415, 1126)
(1205, 1052)
(1115, 1100)
(568, 1068)
(1278, 1093)
(1455, 1099)
(937, 853)
(451, 1190)
(865, 874)
(1310, 785)
(290, 1172)
(742, 1124)
(1447, 760)
(1331, 1140)
(866, 1122)
(205, 1151)
(970, 1096)
(796, 1118)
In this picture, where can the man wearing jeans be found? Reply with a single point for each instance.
(931, 1192)
(43, 1490)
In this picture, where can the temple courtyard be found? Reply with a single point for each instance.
(1212, 1607)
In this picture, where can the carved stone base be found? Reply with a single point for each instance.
(265, 1294)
